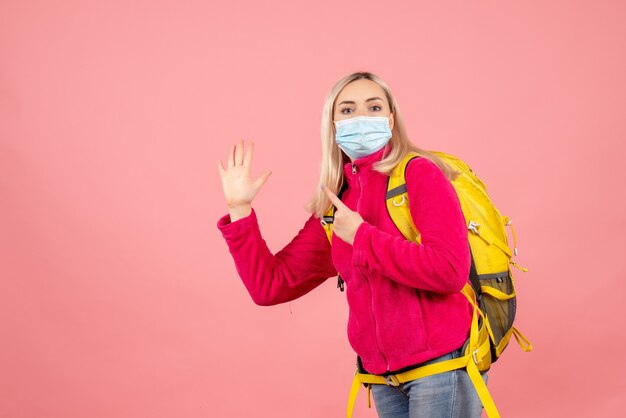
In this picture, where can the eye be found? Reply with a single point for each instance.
(344, 110)
(378, 108)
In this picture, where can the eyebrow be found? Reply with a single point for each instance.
(351, 102)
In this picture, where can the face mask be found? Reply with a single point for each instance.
(362, 135)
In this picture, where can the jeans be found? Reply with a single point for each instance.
(444, 395)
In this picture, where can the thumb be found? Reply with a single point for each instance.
(262, 179)
(333, 198)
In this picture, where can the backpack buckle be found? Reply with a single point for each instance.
(392, 380)
(397, 204)
(473, 226)
(475, 356)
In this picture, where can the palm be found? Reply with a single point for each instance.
(239, 187)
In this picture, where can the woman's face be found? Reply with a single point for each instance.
(362, 97)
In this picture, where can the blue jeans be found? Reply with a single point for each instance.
(444, 395)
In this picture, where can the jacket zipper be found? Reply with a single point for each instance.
(382, 354)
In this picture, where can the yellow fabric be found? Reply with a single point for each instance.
(398, 207)
(508, 222)
(354, 391)
(424, 371)
(522, 340)
(488, 238)
(491, 239)
(476, 358)
(524, 269)
(328, 228)
(487, 230)
(492, 258)
(483, 392)
(496, 293)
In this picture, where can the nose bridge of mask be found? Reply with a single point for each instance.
(362, 125)
(361, 118)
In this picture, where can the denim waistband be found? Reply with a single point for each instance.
(452, 354)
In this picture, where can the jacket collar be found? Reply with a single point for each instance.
(364, 165)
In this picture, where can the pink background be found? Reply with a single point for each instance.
(118, 297)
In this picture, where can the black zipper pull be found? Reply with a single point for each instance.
(340, 283)
(353, 168)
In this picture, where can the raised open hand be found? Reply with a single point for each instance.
(346, 220)
(239, 188)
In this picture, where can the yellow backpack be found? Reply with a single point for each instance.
(491, 293)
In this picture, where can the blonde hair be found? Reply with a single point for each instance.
(333, 158)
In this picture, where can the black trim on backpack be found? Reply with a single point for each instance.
(502, 275)
(475, 280)
(329, 220)
(395, 191)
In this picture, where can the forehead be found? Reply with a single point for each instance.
(361, 90)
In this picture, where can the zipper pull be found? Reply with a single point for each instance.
(340, 283)
(353, 168)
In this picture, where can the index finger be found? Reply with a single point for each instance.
(333, 198)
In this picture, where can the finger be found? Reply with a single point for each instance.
(262, 179)
(247, 158)
(231, 156)
(220, 167)
(334, 199)
(239, 153)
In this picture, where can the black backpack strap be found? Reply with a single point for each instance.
(475, 281)
(329, 219)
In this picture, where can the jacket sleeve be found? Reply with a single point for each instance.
(441, 262)
(298, 268)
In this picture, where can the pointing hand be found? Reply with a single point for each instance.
(346, 220)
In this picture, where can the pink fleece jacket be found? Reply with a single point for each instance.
(404, 298)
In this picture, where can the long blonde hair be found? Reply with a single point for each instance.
(333, 159)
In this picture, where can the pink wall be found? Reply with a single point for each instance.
(118, 297)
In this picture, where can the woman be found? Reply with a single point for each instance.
(405, 304)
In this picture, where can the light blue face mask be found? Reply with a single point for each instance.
(362, 135)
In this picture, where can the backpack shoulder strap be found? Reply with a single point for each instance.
(397, 199)
(327, 223)
(329, 217)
